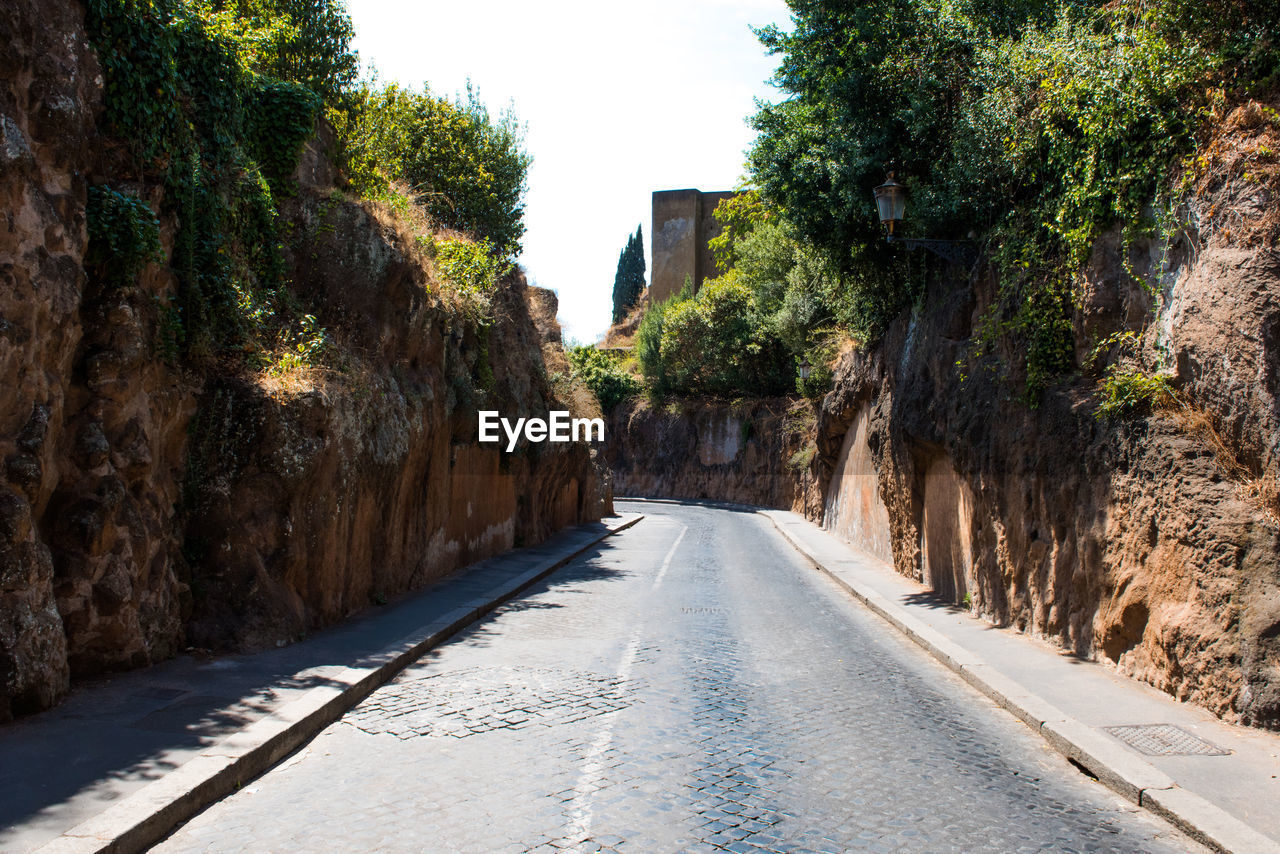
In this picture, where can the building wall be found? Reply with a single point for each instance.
(683, 222)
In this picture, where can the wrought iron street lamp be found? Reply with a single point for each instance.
(891, 205)
(891, 202)
(805, 367)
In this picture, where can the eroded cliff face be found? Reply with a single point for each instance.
(148, 505)
(1149, 542)
(852, 508)
(310, 500)
(756, 452)
(45, 132)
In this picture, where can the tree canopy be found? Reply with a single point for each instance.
(1034, 125)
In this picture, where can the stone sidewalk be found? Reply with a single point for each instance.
(124, 759)
(1218, 783)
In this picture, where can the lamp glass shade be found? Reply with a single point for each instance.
(804, 369)
(891, 200)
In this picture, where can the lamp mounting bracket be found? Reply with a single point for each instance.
(955, 251)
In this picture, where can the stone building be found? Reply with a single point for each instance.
(683, 222)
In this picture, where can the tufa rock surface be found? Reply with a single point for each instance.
(1149, 542)
(755, 452)
(146, 505)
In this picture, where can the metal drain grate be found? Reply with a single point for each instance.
(1164, 740)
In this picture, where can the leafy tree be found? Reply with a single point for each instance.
(302, 41)
(1037, 124)
(628, 282)
(738, 215)
(793, 284)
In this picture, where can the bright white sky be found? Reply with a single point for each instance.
(620, 99)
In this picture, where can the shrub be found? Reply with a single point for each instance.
(802, 459)
(124, 235)
(648, 343)
(604, 375)
(279, 118)
(1130, 391)
(304, 347)
(718, 343)
(181, 93)
(466, 169)
(473, 269)
(820, 357)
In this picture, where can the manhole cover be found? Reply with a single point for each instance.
(1164, 740)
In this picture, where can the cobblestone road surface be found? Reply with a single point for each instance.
(692, 685)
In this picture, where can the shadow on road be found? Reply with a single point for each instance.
(114, 734)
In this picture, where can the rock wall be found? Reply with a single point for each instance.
(148, 505)
(852, 509)
(1149, 542)
(752, 453)
(45, 135)
(309, 503)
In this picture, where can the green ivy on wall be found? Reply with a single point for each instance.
(124, 236)
(222, 139)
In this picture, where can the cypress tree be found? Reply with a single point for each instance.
(620, 284)
(639, 271)
(628, 282)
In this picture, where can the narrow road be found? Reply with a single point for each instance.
(692, 685)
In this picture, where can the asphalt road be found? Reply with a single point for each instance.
(691, 685)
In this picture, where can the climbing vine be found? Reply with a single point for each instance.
(124, 236)
(223, 140)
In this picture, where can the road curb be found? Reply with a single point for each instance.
(1114, 766)
(149, 814)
